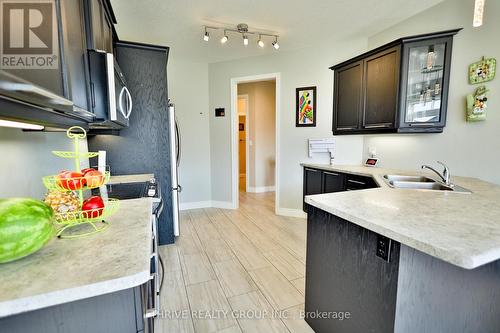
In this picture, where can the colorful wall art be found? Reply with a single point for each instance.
(305, 107)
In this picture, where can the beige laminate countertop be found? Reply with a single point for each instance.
(138, 178)
(67, 270)
(459, 228)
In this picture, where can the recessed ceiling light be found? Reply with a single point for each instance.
(17, 124)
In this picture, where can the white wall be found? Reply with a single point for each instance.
(188, 89)
(306, 67)
(27, 157)
(261, 132)
(470, 149)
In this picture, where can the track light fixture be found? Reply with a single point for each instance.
(275, 43)
(224, 38)
(243, 30)
(206, 37)
(260, 42)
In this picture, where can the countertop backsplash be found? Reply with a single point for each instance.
(27, 156)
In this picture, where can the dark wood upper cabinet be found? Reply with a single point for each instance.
(381, 72)
(75, 52)
(100, 20)
(399, 87)
(348, 88)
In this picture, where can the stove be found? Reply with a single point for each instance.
(124, 191)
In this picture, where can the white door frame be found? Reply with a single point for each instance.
(247, 136)
(234, 134)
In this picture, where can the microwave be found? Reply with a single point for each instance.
(110, 98)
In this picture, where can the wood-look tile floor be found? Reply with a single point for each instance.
(235, 271)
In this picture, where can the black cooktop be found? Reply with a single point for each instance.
(126, 190)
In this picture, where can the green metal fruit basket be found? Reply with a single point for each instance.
(94, 218)
(80, 223)
(56, 183)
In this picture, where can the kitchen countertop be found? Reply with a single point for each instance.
(138, 178)
(67, 270)
(460, 228)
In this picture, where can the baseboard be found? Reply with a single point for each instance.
(222, 204)
(195, 205)
(291, 212)
(261, 189)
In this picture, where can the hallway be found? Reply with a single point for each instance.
(235, 271)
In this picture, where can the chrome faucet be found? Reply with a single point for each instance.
(445, 176)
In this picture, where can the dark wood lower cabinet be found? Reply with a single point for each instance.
(318, 181)
(412, 293)
(118, 312)
(343, 274)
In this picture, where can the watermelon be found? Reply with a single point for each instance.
(26, 225)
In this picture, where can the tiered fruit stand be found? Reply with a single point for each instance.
(88, 221)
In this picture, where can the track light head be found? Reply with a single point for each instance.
(206, 37)
(245, 40)
(224, 38)
(260, 41)
(276, 45)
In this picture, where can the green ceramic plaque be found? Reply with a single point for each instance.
(482, 71)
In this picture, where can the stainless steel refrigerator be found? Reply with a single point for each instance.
(175, 153)
(150, 144)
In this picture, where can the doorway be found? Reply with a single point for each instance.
(255, 140)
(242, 142)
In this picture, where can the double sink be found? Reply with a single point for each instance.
(420, 183)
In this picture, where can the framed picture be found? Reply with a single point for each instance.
(305, 101)
(482, 71)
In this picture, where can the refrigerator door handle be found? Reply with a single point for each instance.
(178, 142)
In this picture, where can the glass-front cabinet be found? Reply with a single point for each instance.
(399, 87)
(424, 85)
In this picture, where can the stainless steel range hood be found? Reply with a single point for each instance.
(23, 101)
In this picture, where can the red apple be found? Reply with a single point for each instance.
(94, 178)
(70, 180)
(84, 171)
(93, 207)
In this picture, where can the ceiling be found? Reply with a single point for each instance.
(300, 24)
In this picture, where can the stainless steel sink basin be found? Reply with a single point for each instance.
(402, 178)
(420, 183)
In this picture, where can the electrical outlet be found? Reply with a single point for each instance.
(384, 245)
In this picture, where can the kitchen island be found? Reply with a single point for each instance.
(88, 284)
(441, 249)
